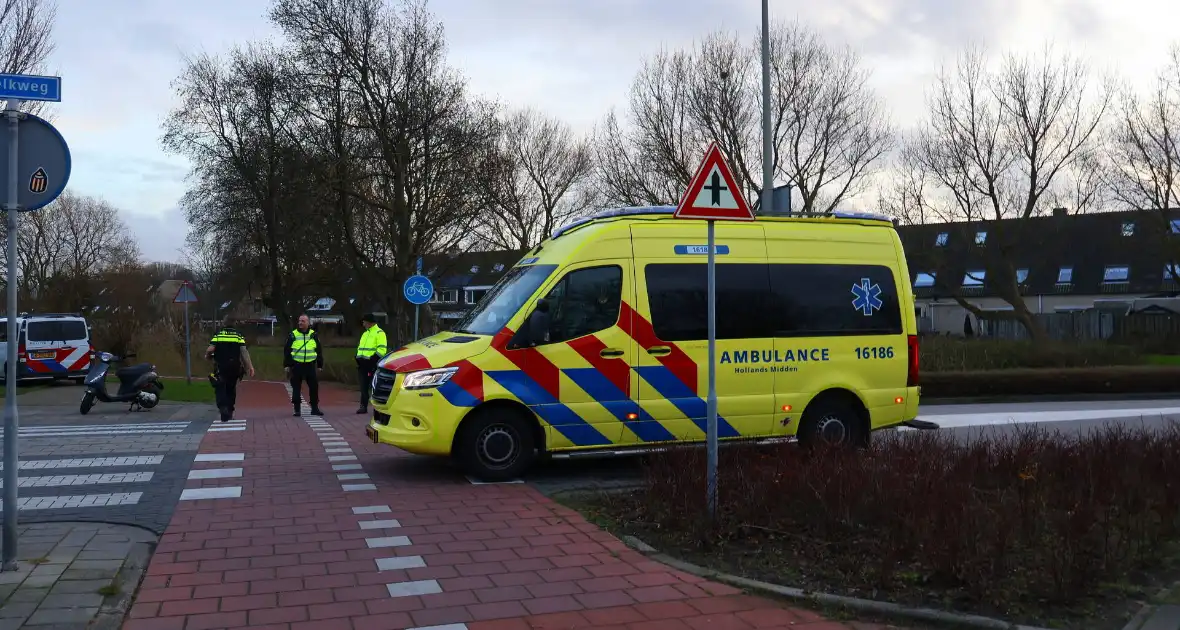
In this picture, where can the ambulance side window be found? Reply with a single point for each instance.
(585, 301)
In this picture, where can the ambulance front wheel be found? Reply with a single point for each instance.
(496, 444)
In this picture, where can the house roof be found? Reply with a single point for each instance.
(468, 269)
(1110, 252)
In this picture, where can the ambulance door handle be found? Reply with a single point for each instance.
(610, 353)
(659, 351)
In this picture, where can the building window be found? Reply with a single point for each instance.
(980, 238)
(1021, 276)
(1129, 228)
(1175, 226)
(475, 268)
(1065, 275)
(473, 296)
(940, 240)
(925, 279)
(500, 267)
(446, 296)
(974, 278)
(1172, 272)
(1116, 273)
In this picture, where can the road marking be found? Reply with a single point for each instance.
(400, 562)
(352, 476)
(338, 450)
(220, 457)
(90, 462)
(214, 473)
(355, 487)
(78, 501)
(387, 524)
(335, 443)
(346, 466)
(220, 429)
(91, 427)
(88, 434)
(341, 458)
(81, 480)
(419, 587)
(449, 626)
(371, 509)
(954, 420)
(387, 541)
(194, 494)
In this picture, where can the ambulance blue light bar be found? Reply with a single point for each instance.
(670, 210)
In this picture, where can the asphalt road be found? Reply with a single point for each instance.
(109, 465)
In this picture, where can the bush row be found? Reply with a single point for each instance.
(1000, 525)
(1134, 379)
(950, 354)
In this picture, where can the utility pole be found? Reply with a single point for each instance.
(767, 142)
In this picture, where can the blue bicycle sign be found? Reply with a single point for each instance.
(418, 289)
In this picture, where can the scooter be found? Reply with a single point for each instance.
(138, 384)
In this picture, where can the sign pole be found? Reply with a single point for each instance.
(188, 364)
(711, 400)
(11, 420)
(767, 148)
(417, 307)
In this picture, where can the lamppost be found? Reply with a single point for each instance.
(767, 147)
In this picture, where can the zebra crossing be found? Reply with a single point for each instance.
(121, 481)
(87, 430)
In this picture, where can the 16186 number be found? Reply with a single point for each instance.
(880, 352)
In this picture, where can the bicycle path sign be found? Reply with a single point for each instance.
(418, 289)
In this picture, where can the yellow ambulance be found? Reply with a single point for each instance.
(596, 341)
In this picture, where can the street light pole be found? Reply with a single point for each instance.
(767, 147)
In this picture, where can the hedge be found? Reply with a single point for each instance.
(951, 354)
(1067, 381)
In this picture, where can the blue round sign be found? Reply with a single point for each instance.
(418, 289)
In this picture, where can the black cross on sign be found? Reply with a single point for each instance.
(715, 189)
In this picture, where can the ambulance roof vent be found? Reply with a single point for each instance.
(615, 213)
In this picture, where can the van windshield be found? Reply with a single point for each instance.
(503, 300)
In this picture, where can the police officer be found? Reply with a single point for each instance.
(302, 360)
(231, 361)
(369, 350)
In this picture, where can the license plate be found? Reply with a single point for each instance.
(44, 355)
(371, 433)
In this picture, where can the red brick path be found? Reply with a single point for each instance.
(291, 552)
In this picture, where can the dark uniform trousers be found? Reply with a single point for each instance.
(226, 387)
(364, 373)
(305, 372)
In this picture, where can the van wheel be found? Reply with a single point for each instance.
(496, 445)
(831, 421)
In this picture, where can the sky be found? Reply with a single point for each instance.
(573, 59)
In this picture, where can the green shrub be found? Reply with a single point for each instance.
(1125, 379)
(951, 354)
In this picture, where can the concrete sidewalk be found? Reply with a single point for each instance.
(320, 532)
(73, 576)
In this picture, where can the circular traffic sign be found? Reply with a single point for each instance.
(418, 289)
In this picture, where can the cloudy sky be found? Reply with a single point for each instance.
(572, 58)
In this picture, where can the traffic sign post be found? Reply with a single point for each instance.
(713, 195)
(38, 169)
(185, 295)
(417, 290)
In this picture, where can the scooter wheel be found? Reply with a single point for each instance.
(87, 403)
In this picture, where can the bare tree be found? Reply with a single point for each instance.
(538, 183)
(1143, 168)
(1001, 147)
(26, 39)
(830, 131)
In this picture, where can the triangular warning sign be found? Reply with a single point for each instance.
(185, 294)
(713, 192)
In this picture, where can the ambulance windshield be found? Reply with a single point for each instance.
(503, 300)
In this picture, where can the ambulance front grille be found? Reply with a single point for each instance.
(383, 385)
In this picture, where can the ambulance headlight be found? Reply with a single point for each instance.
(428, 379)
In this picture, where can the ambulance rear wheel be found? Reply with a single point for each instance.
(831, 421)
(496, 445)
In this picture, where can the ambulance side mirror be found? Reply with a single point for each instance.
(536, 327)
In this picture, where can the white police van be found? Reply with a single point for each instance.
(50, 346)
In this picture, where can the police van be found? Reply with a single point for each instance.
(597, 341)
(50, 346)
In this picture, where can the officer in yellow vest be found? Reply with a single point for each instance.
(303, 359)
(369, 350)
(231, 361)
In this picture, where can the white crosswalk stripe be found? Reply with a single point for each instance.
(90, 462)
(90, 430)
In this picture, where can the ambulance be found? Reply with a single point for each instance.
(596, 342)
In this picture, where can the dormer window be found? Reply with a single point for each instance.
(980, 238)
(940, 240)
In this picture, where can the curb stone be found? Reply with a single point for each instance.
(114, 609)
(852, 603)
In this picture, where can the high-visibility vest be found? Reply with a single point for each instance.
(372, 342)
(303, 346)
(227, 348)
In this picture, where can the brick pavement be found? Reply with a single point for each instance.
(333, 532)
